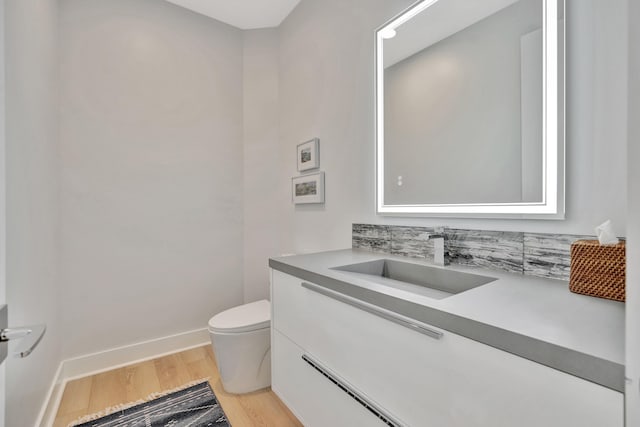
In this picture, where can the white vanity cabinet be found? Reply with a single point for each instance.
(410, 377)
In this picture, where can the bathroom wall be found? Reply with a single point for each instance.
(3, 212)
(262, 236)
(633, 227)
(32, 220)
(326, 90)
(151, 171)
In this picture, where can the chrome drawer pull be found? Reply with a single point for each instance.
(363, 401)
(380, 312)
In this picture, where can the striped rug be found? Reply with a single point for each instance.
(193, 406)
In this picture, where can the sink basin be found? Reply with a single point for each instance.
(429, 281)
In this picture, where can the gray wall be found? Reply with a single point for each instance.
(260, 125)
(326, 90)
(30, 28)
(3, 212)
(633, 226)
(453, 116)
(151, 171)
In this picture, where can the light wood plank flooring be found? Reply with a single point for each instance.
(92, 394)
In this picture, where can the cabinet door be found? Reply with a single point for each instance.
(313, 398)
(452, 381)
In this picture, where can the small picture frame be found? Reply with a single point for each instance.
(308, 188)
(308, 154)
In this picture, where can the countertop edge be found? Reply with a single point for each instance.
(588, 367)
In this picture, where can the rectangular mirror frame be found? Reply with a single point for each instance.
(553, 187)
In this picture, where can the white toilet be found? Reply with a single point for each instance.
(242, 345)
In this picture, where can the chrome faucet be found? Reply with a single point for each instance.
(438, 248)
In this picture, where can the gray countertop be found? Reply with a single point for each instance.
(535, 318)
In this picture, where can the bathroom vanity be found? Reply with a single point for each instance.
(354, 346)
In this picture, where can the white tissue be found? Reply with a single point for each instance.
(605, 233)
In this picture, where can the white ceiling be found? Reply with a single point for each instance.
(244, 14)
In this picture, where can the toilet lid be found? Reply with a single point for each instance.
(244, 318)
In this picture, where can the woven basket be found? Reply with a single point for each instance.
(598, 270)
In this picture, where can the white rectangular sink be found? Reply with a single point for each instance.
(433, 282)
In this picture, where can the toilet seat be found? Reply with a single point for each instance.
(245, 318)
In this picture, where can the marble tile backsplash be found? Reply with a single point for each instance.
(412, 241)
(500, 250)
(535, 254)
(376, 238)
(548, 255)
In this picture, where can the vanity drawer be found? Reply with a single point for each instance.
(450, 381)
(294, 313)
(313, 398)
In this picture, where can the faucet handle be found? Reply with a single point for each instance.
(438, 249)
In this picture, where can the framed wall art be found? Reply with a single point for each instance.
(308, 188)
(308, 154)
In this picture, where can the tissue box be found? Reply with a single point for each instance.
(598, 270)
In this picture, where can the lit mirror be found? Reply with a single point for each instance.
(470, 109)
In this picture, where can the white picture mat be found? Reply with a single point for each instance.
(318, 197)
(312, 147)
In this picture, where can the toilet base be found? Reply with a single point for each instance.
(243, 359)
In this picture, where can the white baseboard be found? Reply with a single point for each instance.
(52, 402)
(101, 361)
(91, 364)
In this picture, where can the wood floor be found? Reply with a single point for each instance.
(92, 394)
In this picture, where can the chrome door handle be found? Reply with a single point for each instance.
(31, 336)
